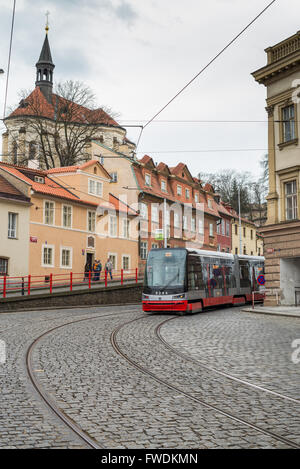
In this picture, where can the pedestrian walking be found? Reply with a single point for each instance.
(109, 267)
(87, 269)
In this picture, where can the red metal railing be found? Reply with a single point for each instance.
(27, 284)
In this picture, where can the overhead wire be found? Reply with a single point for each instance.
(208, 64)
(9, 57)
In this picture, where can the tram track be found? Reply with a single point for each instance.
(177, 389)
(84, 436)
(214, 370)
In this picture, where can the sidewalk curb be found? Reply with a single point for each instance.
(271, 313)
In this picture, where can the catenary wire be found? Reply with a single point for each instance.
(209, 63)
(9, 57)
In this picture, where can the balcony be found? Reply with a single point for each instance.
(283, 49)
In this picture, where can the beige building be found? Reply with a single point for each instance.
(247, 241)
(281, 76)
(74, 220)
(14, 234)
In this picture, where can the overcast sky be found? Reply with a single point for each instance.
(137, 54)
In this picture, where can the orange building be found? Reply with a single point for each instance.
(74, 219)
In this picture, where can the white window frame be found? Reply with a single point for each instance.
(126, 228)
(176, 220)
(163, 185)
(154, 214)
(196, 198)
(48, 246)
(113, 226)
(12, 232)
(209, 203)
(144, 248)
(294, 199)
(211, 230)
(179, 189)
(147, 179)
(193, 224)
(115, 255)
(88, 212)
(93, 186)
(200, 226)
(144, 211)
(62, 216)
(184, 222)
(66, 248)
(114, 176)
(53, 212)
(187, 194)
(129, 262)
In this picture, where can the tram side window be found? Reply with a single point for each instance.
(245, 278)
(217, 276)
(195, 274)
(229, 275)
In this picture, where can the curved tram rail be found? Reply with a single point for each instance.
(189, 396)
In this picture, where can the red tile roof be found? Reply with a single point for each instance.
(9, 191)
(73, 169)
(37, 105)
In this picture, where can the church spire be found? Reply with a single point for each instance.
(45, 67)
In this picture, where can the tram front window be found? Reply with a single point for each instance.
(166, 269)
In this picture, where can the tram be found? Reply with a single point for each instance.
(188, 280)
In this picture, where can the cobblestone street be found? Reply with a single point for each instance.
(219, 379)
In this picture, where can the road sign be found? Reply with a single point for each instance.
(261, 280)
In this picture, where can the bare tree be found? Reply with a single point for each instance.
(62, 130)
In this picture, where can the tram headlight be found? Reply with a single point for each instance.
(177, 297)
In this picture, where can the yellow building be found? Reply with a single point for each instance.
(281, 76)
(74, 220)
(245, 240)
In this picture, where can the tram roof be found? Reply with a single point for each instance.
(225, 255)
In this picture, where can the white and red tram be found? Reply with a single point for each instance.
(188, 280)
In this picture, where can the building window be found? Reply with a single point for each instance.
(39, 179)
(163, 186)
(209, 203)
(114, 177)
(185, 222)
(196, 198)
(67, 216)
(291, 207)
(288, 124)
(112, 225)
(66, 258)
(227, 228)
(193, 224)
(32, 151)
(200, 226)
(236, 229)
(244, 250)
(251, 234)
(244, 232)
(95, 187)
(211, 229)
(3, 266)
(12, 225)
(176, 220)
(154, 246)
(126, 228)
(187, 194)
(259, 251)
(147, 179)
(223, 227)
(91, 221)
(179, 190)
(113, 260)
(144, 211)
(144, 250)
(236, 250)
(49, 213)
(125, 262)
(48, 256)
(154, 213)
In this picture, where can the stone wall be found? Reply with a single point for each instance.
(110, 295)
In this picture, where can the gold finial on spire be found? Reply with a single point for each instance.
(47, 22)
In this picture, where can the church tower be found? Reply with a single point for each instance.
(44, 69)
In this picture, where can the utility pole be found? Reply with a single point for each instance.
(240, 221)
(165, 224)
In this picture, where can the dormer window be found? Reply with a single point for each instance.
(163, 186)
(196, 198)
(147, 179)
(209, 203)
(39, 179)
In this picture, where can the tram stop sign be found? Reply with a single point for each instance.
(261, 280)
